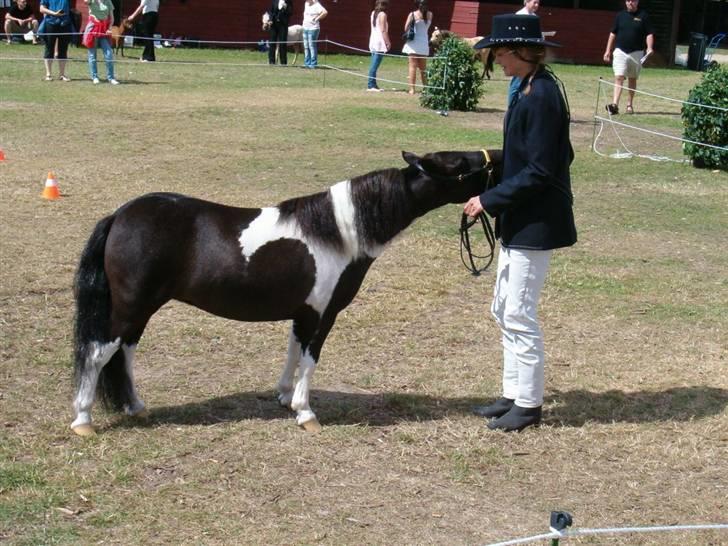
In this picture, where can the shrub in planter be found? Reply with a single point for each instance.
(707, 125)
(454, 78)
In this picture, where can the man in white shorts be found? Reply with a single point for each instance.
(631, 31)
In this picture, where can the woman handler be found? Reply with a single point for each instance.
(532, 206)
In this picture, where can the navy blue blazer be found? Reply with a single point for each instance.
(532, 204)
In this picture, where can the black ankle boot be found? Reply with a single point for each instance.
(517, 419)
(496, 409)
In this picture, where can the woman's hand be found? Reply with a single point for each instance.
(473, 207)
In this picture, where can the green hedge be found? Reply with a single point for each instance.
(455, 78)
(708, 125)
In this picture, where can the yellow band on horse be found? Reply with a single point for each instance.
(487, 156)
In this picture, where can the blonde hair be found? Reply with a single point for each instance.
(535, 55)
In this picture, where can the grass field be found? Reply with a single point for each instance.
(635, 318)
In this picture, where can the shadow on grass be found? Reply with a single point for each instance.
(569, 408)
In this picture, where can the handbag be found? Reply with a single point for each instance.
(409, 35)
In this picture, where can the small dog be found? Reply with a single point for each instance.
(117, 35)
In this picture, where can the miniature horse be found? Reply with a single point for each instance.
(302, 260)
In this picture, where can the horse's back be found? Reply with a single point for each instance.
(166, 246)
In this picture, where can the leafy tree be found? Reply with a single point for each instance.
(454, 78)
(708, 125)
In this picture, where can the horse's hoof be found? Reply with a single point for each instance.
(143, 414)
(312, 426)
(84, 430)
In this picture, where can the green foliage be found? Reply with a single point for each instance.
(706, 124)
(455, 78)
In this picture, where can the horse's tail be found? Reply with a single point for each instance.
(93, 321)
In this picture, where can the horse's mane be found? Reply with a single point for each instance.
(314, 214)
(383, 205)
(381, 200)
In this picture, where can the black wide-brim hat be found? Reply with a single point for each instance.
(515, 30)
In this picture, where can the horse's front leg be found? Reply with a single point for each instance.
(305, 417)
(285, 383)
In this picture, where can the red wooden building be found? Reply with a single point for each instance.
(581, 26)
(347, 22)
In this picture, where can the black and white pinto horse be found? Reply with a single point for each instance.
(302, 260)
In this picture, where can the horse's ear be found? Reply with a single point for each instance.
(410, 158)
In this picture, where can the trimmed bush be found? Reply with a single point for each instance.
(455, 78)
(707, 125)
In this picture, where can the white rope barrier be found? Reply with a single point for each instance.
(668, 99)
(379, 78)
(628, 153)
(679, 139)
(186, 42)
(368, 52)
(131, 60)
(611, 531)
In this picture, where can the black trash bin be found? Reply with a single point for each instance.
(696, 51)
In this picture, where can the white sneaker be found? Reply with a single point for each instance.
(112, 81)
(96, 81)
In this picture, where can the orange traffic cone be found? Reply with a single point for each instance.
(51, 188)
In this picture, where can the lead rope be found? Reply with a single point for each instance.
(467, 223)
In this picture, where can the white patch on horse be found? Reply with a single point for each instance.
(268, 227)
(265, 229)
(345, 215)
(98, 356)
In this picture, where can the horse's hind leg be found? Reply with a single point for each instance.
(285, 384)
(135, 406)
(97, 356)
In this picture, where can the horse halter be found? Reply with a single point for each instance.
(467, 223)
(487, 166)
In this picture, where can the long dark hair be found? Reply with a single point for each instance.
(421, 5)
(379, 5)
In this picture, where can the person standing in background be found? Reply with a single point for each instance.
(419, 48)
(530, 7)
(313, 12)
(98, 32)
(57, 30)
(379, 42)
(150, 18)
(280, 13)
(632, 30)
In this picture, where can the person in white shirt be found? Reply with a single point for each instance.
(313, 12)
(530, 7)
(419, 48)
(150, 17)
(379, 42)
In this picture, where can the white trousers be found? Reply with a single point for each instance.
(521, 276)
(627, 64)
